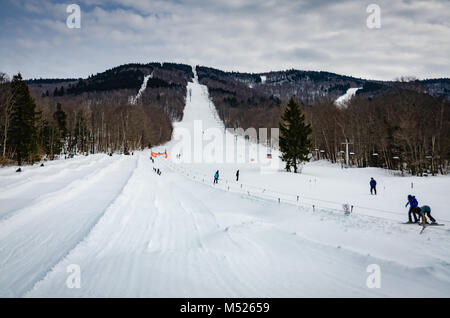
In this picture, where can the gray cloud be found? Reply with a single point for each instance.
(250, 35)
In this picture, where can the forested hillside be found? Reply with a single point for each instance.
(94, 114)
(402, 125)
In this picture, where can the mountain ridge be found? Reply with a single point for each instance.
(308, 86)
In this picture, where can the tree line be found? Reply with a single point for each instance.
(35, 126)
(401, 128)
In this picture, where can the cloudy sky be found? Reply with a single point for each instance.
(241, 35)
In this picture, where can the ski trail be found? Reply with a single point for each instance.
(10, 179)
(361, 224)
(119, 237)
(69, 190)
(342, 101)
(33, 241)
(24, 196)
(167, 245)
(47, 174)
(164, 236)
(134, 99)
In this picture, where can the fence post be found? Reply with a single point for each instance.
(351, 209)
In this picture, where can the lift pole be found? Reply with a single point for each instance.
(347, 158)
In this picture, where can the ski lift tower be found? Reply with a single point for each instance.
(347, 158)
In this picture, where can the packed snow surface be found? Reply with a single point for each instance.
(134, 233)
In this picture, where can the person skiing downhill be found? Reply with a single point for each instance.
(413, 208)
(216, 177)
(373, 186)
(426, 211)
(237, 175)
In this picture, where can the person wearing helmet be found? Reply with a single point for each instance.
(426, 211)
(413, 208)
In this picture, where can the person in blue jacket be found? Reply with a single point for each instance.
(413, 208)
(373, 186)
(426, 211)
(216, 177)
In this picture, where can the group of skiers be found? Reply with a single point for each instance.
(419, 213)
(216, 177)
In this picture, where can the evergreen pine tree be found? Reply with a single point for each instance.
(295, 144)
(22, 133)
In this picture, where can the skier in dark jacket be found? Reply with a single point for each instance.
(373, 186)
(413, 208)
(237, 175)
(216, 177)
(426, 211)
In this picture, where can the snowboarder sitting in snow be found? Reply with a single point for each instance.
(426, 210)
(413, 208)
(216, 177)
(373, 186)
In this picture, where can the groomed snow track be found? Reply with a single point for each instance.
(134, 233)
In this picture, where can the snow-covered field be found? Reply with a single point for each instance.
(134, 233)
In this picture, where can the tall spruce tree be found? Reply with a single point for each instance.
(295, 144)
(22, 133)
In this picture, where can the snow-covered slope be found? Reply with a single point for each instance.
(342, 101)
(133, 232)
(133, 99)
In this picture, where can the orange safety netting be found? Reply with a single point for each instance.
(156, 154)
